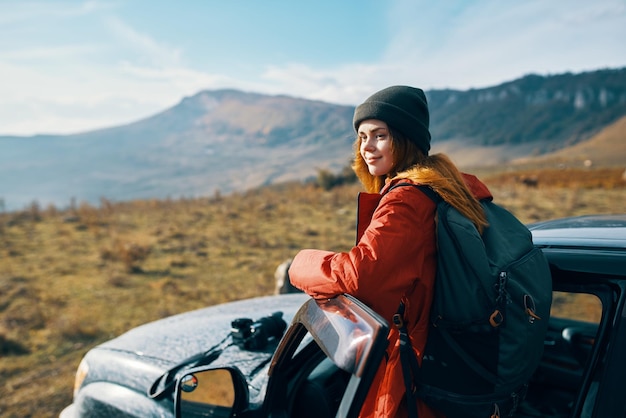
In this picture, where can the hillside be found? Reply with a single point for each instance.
(607, 148)
(218, 142)
(74, 278)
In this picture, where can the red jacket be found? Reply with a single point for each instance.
(394, 259)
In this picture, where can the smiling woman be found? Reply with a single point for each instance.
(394, 259)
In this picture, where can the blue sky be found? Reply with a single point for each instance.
(72, 66)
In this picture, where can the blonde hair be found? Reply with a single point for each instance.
(436, 171)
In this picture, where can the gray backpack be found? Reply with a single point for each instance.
(488, 320)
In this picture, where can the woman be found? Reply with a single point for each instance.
(395, 256)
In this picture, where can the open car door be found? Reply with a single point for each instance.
(326, 361)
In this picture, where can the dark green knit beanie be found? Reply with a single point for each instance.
(400, 107)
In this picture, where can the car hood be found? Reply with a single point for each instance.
(138, 357)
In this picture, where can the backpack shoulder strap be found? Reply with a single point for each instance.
(410, 367)
(427, 190)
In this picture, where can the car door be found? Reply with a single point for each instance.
(327, 360)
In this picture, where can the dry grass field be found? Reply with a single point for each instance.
(70, 279)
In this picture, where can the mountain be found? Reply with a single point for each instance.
(229, 140)
(533, 115)
(215, 141)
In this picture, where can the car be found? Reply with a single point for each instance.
(233, 359)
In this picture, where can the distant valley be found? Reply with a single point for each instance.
(227, 140)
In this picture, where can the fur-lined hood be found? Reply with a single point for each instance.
(477, 187)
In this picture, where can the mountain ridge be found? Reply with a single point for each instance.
(228, 140)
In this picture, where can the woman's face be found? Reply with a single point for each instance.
(376, 146)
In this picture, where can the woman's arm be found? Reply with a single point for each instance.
(387, 260)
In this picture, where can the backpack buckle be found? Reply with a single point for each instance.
(529, 304)
(398, 321)
(496, 318)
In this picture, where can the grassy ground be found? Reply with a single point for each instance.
(71, 279)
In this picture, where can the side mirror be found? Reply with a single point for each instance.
(215, 392)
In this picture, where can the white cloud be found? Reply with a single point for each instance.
(147, 48)
(344, 84)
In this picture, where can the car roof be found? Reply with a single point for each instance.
(589, 231)
(594, 244)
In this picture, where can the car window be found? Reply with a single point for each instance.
(577, 306)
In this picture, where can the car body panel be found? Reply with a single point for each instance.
(193, 332)
(95, 401)
(594, 244)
